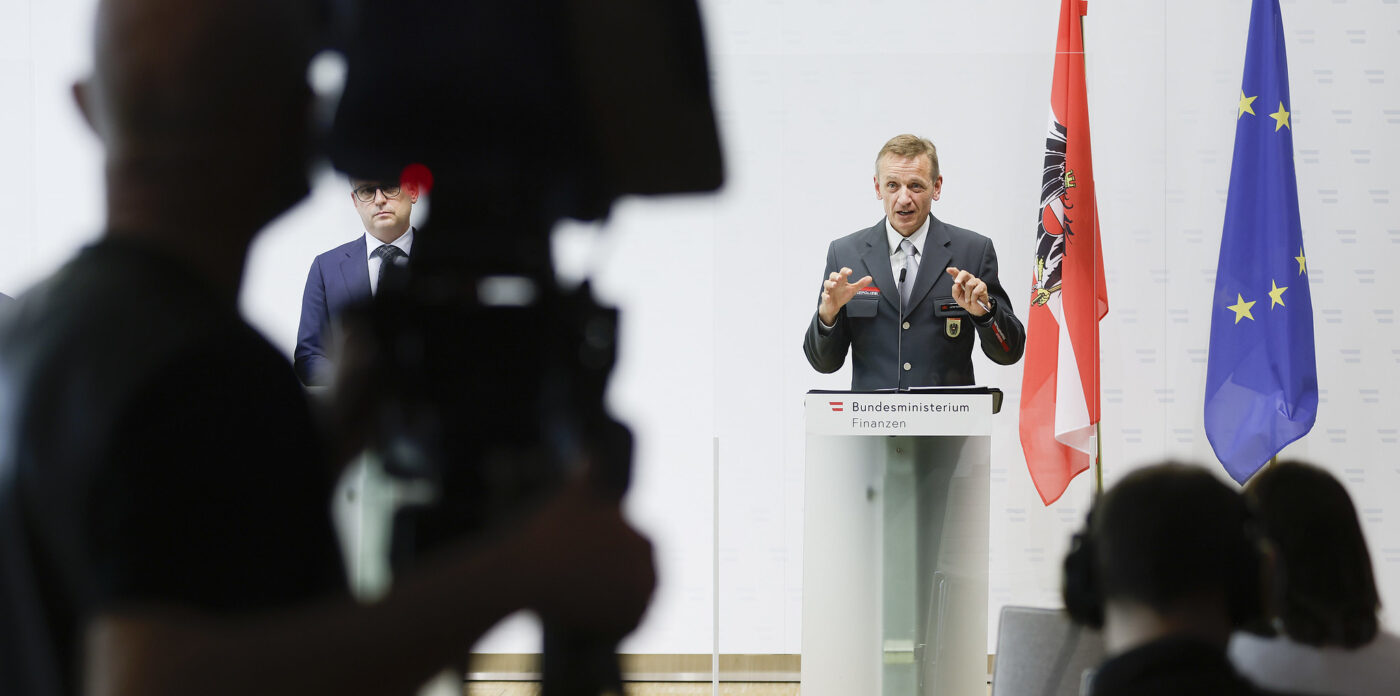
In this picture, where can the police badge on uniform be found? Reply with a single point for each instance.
(952, 327)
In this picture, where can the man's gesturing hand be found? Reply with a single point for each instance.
(836, 292)
(969, 292)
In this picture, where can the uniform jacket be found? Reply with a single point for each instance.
(936, 342)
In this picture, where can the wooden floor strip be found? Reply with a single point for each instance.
(642, 689)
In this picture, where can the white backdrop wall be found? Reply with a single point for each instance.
(716, 290)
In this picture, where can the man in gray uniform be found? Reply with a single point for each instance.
(927, 287)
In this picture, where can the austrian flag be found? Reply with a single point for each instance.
(1060, 383)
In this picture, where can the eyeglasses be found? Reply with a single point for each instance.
(366, 193)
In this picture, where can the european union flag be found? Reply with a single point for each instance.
(1261, 380)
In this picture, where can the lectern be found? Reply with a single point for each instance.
(894, 574)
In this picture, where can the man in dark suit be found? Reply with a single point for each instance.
(351, 272)
(927, 288)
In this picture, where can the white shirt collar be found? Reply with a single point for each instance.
(404, 242)
(917, 239)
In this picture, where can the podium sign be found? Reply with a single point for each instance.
(898, 414)
(894, 573)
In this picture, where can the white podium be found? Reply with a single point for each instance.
(894, 575)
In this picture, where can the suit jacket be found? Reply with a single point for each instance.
(338, 278)
(936, 342)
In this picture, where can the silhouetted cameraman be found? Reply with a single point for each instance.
(163, 494)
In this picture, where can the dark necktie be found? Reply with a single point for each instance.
(389, 255)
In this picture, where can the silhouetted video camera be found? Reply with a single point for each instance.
(523, 113)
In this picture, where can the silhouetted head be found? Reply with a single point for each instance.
(1326, 592)
(206, 98)
(1169, 537)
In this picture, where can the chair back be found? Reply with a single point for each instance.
(1040, 652)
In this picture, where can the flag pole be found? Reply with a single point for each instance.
(1098, 460)
(1098, 355)
(1262, 468)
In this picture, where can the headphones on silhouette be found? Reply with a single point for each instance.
(1083, 600)
(1083, 592)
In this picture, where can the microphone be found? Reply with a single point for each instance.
(899, 342)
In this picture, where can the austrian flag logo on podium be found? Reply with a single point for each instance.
(837, 406)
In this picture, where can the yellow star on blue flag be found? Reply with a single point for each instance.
(1246, 105)
(1261, 374)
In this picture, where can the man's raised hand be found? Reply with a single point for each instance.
(836, 292)
(969, 291)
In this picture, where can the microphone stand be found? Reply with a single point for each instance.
(899, 342)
